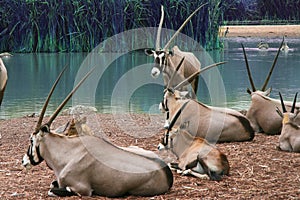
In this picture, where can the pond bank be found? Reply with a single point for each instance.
(268, 31)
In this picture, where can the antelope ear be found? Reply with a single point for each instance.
(177, 94)
(45, 129)
(149, 52)
(249, 91)
(184, 93)
(268, 92)
(171, 90)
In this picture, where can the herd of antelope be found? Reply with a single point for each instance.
(95, 166)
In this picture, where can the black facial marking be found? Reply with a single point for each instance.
(31, 156)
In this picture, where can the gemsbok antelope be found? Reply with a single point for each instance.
(289, 139)
(3, 76)
(166, 61)
(215, 124)
(195, 155)
(93, 165)
(262, 111)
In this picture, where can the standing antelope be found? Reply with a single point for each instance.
(212, 123)
(166, 61)
(289, 139)
(262, 111)
(195, 155)
(93, 165)
(3, 76)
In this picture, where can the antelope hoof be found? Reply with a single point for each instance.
(61, 192)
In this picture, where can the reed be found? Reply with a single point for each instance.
(79, 26)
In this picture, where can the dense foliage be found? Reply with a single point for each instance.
(271, 11)
(80, 25)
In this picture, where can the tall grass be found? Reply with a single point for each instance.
(80, 25)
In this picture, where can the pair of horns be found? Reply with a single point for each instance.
(64, 102)
(270, 72)
(293, 106)
(191, 77)
(157, 46)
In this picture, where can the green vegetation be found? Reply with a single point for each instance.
(80, 25)
(262, 12)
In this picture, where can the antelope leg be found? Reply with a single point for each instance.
(196, 174)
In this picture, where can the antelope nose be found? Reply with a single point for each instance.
(160, 146)
(155, 72)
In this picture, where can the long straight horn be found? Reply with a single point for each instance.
(282, 103)
(65, 101)
(182, 26)
(174, 73)
(194, 75)
(294, 103)
(47, 100)
(271, 70)
(248, 69)
(157, 46)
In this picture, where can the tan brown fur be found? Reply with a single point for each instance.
(196, 156)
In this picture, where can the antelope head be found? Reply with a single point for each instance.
(288, 117)
(161, 54)
(263, 90)
(33, 156)
(172, 94)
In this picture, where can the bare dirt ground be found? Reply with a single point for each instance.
(268, 31)
(258, 169)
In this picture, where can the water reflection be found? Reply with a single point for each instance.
(31, 77)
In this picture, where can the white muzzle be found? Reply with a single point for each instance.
(155, 72)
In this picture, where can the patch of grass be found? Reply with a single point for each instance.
(78, 26)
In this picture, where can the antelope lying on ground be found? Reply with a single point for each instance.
(166, 61)
(289, 139)
(195, 155)
(262, 111)
(212, 123)
(93, 165)
(3, 76)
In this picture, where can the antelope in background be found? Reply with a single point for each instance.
(166, 61)
(289, 139)
(215, 124)
(94, 165)
(262, 111)
(3, 76)
(195, 155)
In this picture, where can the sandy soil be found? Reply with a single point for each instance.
(258, 169)
(268, 31)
